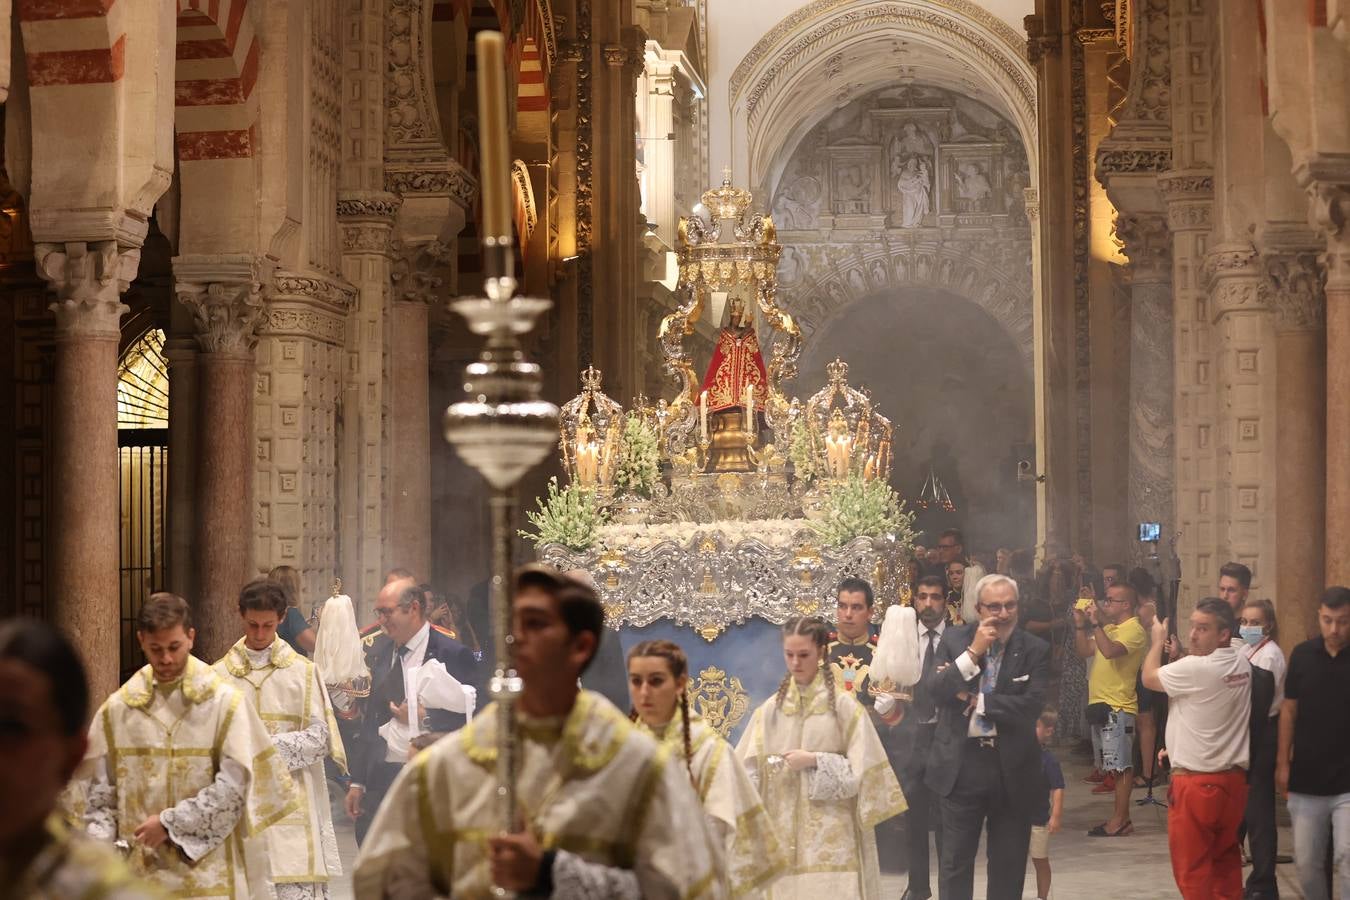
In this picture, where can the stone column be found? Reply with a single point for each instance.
(1294, 286)
(1243, 442)
(225, 295)
(1151, 480)
(181, 353)
(408, 535)
(367, 219)
(88, 280)
(1052, 212)
(1337, 261)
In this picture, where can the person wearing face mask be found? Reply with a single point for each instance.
(658, 682)
(1260, 633)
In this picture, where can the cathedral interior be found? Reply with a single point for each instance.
(1089, 258)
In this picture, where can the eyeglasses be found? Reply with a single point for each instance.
(997, 608)
(383, 612)
(1106, 600)
(946, 546)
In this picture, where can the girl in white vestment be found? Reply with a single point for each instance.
(658, 683)
(823, 774)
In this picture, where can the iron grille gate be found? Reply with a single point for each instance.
(142, 473)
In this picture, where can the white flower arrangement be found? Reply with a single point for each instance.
(859, 507)
(773, 533)
(639, 467)
(571, 516)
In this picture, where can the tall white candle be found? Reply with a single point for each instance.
(703, 415)
(493, 146)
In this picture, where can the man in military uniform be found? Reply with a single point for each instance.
(849, 657)
(854, 639)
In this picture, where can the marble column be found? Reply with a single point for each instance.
(88, 280)
(181, 353)
(1151, 479)
(226, 299)
(1337, 261)
(1294, 285)
(408, 536)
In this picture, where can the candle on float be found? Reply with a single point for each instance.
(703, 415)
(870, 469)
(493, 146)
(845, 446)
(750, 411)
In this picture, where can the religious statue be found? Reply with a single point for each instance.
(907, 145)
(737, 365)
(913, 187)
(972, 188)
(798, 204)
(735, 388)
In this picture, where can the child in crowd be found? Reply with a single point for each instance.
(1047, 818)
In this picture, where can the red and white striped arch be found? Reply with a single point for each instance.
(216, 111)
(70, 42)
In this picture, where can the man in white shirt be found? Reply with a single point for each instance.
(1207, 741)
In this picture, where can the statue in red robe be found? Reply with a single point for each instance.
(736, 364)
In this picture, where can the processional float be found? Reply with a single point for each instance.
(729, 502)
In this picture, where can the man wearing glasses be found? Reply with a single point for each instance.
(985, 762)
(1111, 635)
(408, 641)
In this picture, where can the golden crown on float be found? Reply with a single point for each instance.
(729, 499)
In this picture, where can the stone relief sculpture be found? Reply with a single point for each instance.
(853, 190)
(798, 204)
(913, 185)
(972, 188)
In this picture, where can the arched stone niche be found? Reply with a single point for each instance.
(958, 386)
(830, 51)
(911, 186)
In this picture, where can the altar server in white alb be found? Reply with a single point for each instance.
(609, 813)
(658, 681)
(823, 774)
(180, 767)
(288, 693)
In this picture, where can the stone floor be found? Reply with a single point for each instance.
(1130, 868)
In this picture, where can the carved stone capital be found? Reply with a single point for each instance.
(1040, 43)
(1189, 198)
(1126, 159)
(1335, 262)
(1031, 200)
(225, 296)
(371, 206)
(418, 270)
(88, 280)
(1148, 245)
(1236, 281)
(1293, 288)
(432, 177)
(367, 220)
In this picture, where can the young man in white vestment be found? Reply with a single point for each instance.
(609, 813)
(180, 766)
(288, 692)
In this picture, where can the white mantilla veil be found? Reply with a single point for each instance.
(337, 649)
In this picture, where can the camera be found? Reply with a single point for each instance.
(1150, 532)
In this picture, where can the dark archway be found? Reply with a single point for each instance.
(961, 395)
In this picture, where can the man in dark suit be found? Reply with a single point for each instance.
(985, 761)
(409, 641)
(911, 738)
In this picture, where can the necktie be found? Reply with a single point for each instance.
(989, 678)
(397, 692)
(923, 706)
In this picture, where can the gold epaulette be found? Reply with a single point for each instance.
(445, 631)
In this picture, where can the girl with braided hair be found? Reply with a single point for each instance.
(815, 756)
(658, 682)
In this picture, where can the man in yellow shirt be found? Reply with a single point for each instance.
(1111, 634)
